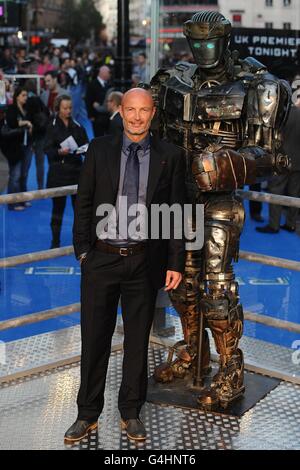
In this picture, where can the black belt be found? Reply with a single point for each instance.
(120, 250)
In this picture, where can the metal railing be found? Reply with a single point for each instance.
(16, 76)
(65, 251)
(270, 198)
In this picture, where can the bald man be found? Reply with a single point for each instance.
(95, 101)
(121, 260)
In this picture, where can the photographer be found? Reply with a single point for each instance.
(64, 163)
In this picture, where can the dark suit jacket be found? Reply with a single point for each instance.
(291, 138)
(12, 146)
(99, 182)
(115, 125)
(95, 92)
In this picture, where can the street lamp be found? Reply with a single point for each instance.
(123, 59)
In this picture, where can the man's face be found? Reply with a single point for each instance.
(137, 111)
(50, 82)
(104, 73)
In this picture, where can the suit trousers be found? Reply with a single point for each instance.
(105, 277)
(58, 209)
(255, 206)
(288, 185)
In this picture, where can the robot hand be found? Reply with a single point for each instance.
(267, 163)
(224, 170)
(282, 164)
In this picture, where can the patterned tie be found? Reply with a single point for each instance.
(131, 178)
(132, 175)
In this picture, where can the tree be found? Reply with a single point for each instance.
(81, 20)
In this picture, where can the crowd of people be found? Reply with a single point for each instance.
(73, 88)
(39, 115)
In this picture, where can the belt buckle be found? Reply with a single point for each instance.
(123, 251)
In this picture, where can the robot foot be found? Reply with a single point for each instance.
(227, 385)
(179, 368)
(183, 364)
(166, 372)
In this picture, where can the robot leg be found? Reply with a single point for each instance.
(186, 302)
(219, 303)
(225, 321)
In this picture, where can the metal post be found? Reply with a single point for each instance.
(154, 45)
(28, 21)
(198, 381)
(123, 59)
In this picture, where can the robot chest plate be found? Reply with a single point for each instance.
(217, 103)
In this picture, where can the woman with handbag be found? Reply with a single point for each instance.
(16, 145)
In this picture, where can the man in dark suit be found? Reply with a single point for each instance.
(95, 101)
(289, 183)
(114, 100)
(140, 167)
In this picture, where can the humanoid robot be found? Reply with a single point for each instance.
(226, 114)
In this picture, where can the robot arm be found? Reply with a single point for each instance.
(158, 122)
(266, 164)
(224, 169)
(227, 169)
(267, 109)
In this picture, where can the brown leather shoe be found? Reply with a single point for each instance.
(79, 430)
(134, 428)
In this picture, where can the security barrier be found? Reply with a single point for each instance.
(65, 251)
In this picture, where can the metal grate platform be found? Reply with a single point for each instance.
(61, 347)
(49, 349)
(259, 355)
(35, 412)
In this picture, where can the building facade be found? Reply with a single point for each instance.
(45, 15)
(139, 17)
(109, 12)
(173, 13)
(267, 14)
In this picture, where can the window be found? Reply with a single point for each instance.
(269, 3)
(269, 25)
(287, 26)
(287, 3)
(236, 19)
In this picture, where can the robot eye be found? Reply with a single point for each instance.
(210, 45)
(197, 45)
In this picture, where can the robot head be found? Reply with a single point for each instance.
(208, 35)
